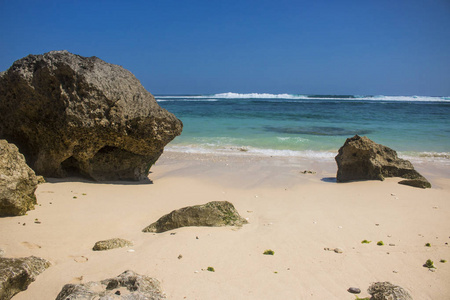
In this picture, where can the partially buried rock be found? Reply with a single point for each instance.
(17, 182)
(354, 290)
(387, 291)
(128, 285)
(215, 213)
(111, 244)
(73, 115)
(362, 159)
(16, 274)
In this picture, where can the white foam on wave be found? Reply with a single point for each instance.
(250, 151)
(438, 157)
(187, 100)
(258, 96)
(296, 140)
(268, 96)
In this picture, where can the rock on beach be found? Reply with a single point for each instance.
(18, 182)
(111, 244)
(128, 285)
(215, 213)
(16, 274)
(362, 159)
(73, 115)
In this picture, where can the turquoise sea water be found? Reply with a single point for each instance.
(310, 126)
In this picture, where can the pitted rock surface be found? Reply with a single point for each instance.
(18, 182)
(16, 274)
(128, 285)
(74, 115)
(362, 159)
(213, 214)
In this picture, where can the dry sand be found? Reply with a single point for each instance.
(296, 215)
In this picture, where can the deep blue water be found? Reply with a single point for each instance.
(309, 125)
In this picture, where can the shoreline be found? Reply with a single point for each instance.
(297, 215)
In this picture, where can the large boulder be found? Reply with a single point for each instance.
(362, 159)
(17, 182)
(74, 115)
(16, 274)
(128, 285)
(388, 291)
(215, 213)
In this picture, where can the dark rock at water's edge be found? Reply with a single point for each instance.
(16, 274)
(18, 182)
(128, 285)
(362, 159)
(213, 214)
(73, 115)
(387, 291)
(111, 244)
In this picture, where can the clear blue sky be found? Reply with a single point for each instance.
(388, 47)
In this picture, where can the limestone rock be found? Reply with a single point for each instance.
(128, 285)
(111, 244)
(17, 182)
(387, 291)
(74, 115)
(16, 274)
(215, 213)
(362, 159)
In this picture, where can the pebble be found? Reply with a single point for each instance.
(2, 252)
(354, 290)
(395, 271)
(340, 227)
(195, 271)
(432, 269)
(130, 250)
(173, 233)
(180, 256)
(196, 237)
(392, 245)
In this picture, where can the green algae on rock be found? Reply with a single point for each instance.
(213, 214)
(111, 244)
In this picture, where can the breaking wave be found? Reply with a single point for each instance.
(215, 97)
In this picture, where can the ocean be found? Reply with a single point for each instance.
(316, 126)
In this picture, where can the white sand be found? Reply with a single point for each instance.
(296, 215)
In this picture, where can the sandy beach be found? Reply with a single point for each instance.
(294, 214)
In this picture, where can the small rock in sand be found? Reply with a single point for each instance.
(180, 256)
(111, 244)
(354, 290)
